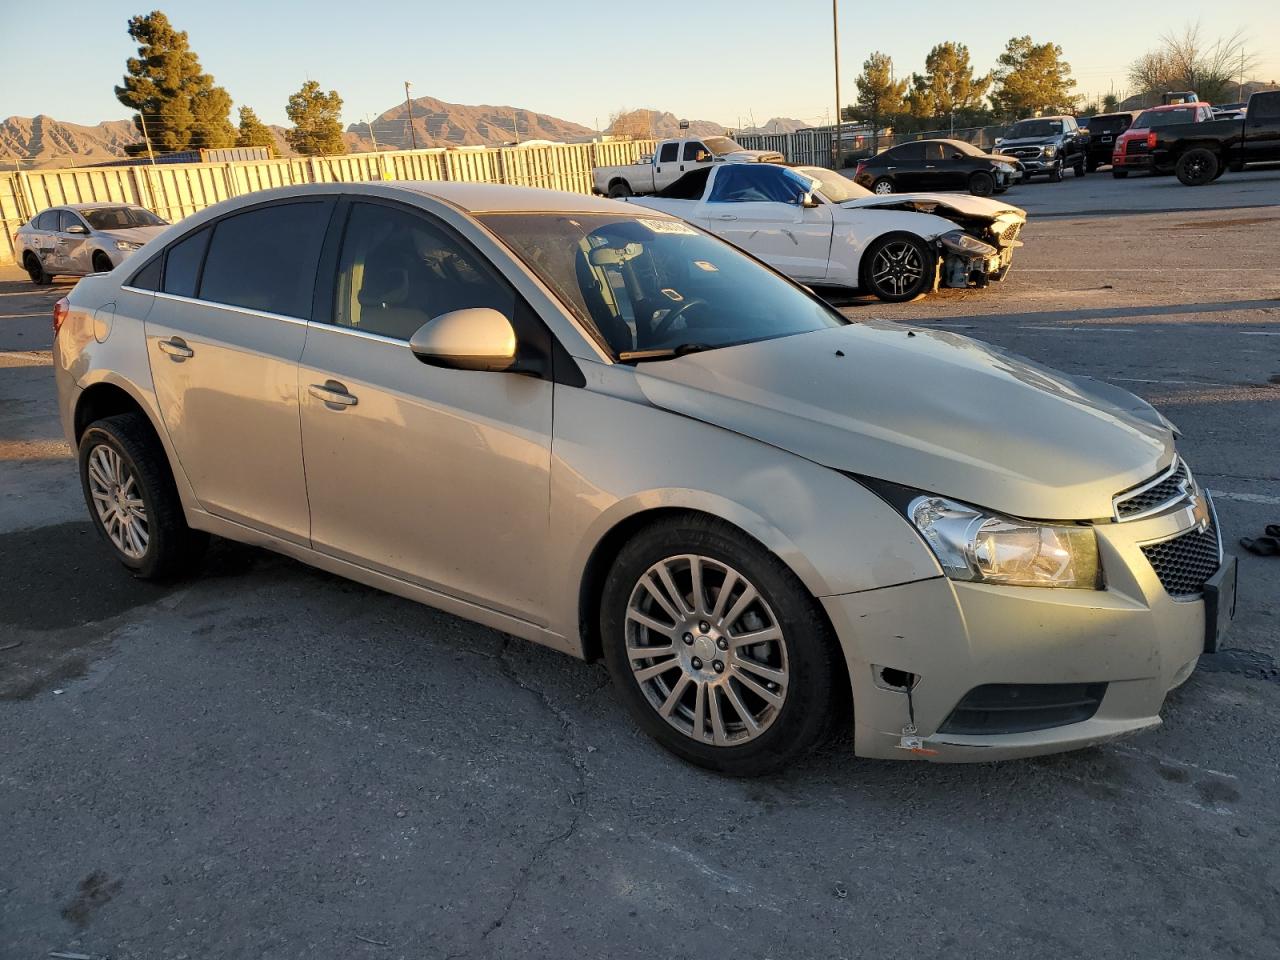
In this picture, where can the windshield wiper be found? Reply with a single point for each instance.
(662, 353)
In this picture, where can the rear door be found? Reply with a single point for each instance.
(436, 476)
(224, 339)
(758, 207)
(44, 237)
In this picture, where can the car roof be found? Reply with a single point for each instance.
(1178, 106)
(96, 205)
(499, 197)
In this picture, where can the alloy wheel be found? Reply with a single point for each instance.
(897, 267)
(117, 497)
(884, 188)
(706, 650)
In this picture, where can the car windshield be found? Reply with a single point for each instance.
(650, 284)
(121, 218)
(1162, 118)
(1034, 128)
(834, 187)
(721, 145)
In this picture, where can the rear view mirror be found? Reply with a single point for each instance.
(478, 338)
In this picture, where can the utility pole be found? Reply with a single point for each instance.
(142, 118)
(368, 123)
(413, 137)
(835, 49)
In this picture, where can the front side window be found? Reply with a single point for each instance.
(692, 149)
(748, 183)
(654, 284)
(934, 152)
(1264, 106)
(182, 264)
(265, 258)
(68, 219)
(397, 270)
(669, 152)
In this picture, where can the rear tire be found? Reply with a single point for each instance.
(898, 267)
(620, 188)
(982, 184)
(883, 186)
(1118, 173)
(789, 684)
(132, 499)
(35, 270)
(1197, 167)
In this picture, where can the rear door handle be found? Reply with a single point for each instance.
(177, 348)
(331, 391)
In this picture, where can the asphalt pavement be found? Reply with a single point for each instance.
(268, 761)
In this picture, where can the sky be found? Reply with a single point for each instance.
(730, 61)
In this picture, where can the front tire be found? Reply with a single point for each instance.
(883, 187)
(129, 490)
(1079, 169)
(717, 649)
(898, 267)
(35, 270)
(1197, 167)
(982, 184)
(1055, 175)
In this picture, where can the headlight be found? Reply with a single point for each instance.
(1050, 150)
(957, 241)
(126, 245)
(1005, 167)
(988, 548)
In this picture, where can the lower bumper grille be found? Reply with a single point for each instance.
(1022, 707)
(1186, 561)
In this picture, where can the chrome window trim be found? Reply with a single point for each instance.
(1186, 493)
(248, 311)
(364, 334)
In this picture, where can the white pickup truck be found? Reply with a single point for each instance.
(672, 160)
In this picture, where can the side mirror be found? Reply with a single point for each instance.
(702, 156)
(76, 228)
(810, 200)
(478, 338)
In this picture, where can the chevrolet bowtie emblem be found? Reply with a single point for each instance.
(1199, 511)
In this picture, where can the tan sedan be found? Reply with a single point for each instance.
(604, 430)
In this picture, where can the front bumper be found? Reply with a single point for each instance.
(957, 636)
(1131, 161)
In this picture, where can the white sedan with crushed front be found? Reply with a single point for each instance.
(819, 227)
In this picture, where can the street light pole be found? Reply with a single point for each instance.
(413, 137)
(835, 47)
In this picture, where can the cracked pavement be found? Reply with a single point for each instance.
(269, 761)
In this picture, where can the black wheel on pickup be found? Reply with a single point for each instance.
(1079, 169)
(1055, 174)
(620, 188)
(1197, 167)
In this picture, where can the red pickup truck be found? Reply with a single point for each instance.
(1131, 151)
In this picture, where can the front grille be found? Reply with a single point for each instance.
(1010, 233)
(1186, 561)
(1022, 707)
(1023, 153)
(1156, 494)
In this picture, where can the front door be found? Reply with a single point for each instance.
(1262, 129)
(758, 207)
(437, 476)
(72, 248)
(224, 338)
(666, 164)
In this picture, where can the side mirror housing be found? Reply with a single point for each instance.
(76, 228)
(810, 200)
(478, 338)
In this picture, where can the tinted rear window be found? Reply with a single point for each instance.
(1162, 118)
(265, 259)
(1108, 124)
(182, 264)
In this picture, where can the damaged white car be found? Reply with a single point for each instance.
(819, 227)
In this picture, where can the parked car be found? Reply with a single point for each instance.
(672, 160)
(937, 165)
(817, 226)
(82, 238)
(1103, 130)
(1202, 152)
(1132, 153)
(1046, 145)
(749, 506)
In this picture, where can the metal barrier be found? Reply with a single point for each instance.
(176, 190)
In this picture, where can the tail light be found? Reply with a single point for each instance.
(1151, 140)
(60, 311)
(862, 165)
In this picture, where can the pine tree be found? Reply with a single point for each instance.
(182, 107)
(1032, 77)
(948, 85)
(317, 130)
(879, 95)
(253, 132)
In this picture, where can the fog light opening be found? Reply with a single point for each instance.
(896, 679)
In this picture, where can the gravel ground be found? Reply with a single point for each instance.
(268, 761)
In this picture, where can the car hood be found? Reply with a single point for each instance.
(1030, 141)
(137, 235)
(927, 409)
(940, 203)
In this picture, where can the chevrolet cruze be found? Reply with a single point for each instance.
(604, 430)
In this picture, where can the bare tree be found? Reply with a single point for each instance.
(1189, 61)
(636, 124)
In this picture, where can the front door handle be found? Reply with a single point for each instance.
(177, 348)
(726, 216)
(331, 391)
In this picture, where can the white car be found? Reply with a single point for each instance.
(77, 239)
(817, 226)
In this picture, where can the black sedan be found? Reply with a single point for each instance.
(938, 165)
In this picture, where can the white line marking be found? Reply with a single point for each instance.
(1187, 383)
(1246, 497)
(1120, 748)
(1097, 329)
(1260, 333)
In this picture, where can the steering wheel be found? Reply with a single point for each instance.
(669, 321)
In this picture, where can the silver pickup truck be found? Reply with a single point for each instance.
(672, 160)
